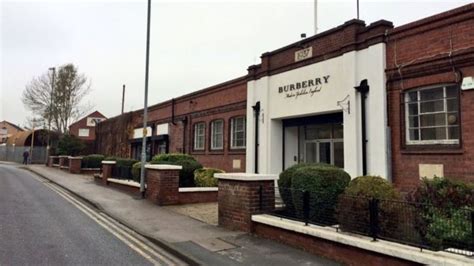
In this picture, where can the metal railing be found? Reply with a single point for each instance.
(15, 154)
(410, 223)
(122, 172)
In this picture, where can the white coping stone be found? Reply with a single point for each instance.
(71, 157)
(124, 182)
(198, 189)
(163, 167)
(108, 162)
(380, 246)
(245, 176)
(63, 156)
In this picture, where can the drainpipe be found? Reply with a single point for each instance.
(172, 111)
(185, 123)
(256, 110)
(363, 89)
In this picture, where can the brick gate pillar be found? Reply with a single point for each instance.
(162, 182)
(75, 165)
(241, 195)
(62, 160)
(107, 170)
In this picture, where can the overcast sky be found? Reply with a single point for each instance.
(194, 44)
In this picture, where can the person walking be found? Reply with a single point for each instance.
(26, 154)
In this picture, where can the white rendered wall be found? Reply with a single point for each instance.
(345, 72)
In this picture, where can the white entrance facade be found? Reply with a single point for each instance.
(313, 114)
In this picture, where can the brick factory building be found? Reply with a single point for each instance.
(305, 103)
(208, 124)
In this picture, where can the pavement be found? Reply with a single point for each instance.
(39, 227)
(200, 242)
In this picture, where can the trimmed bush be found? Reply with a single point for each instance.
(172, 157)
(125, 162)
(189, 164)
(111, 158)
(324, 184)
(204, 177)
(284, 183)
(353, 206)
(92, 161)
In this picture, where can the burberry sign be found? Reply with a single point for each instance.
(306, 87)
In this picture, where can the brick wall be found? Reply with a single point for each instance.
(345, 254)
(238, 200)
(431, 51)
(223, 101)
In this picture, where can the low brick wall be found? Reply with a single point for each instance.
(90, 171)
(197, 195)
(343, 253)
(123, 187)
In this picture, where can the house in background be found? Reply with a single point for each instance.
(7, 130)
(84, 129)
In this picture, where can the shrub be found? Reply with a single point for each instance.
(353, 206)
(442, 219)
(324, 184)
(70, 145)
(284, 183)
(189, 164)
(92, 161)
(123, 168)
(172, 157)
(444, 193)
(204, 177)
(111, 158)
(453, 231)
(136, 171)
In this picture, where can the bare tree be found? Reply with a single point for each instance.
(61, 103)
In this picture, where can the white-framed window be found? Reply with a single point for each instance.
(237, 133)
(217, 135)
(199, 135)
(432, 115)
(83, 132)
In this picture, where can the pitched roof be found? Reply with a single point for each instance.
(13, 125)
(93, 114)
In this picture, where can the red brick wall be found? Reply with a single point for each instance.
(74, 128)
(197, 197)
(428, 50)
(239, 200)
(345, 254)
(222, 101)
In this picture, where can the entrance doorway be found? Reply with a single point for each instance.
(322, 143)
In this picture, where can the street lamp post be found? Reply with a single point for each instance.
(145, 108)
(50, 112)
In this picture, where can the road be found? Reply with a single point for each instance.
(43, 224)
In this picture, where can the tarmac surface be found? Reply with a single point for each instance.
(195, 240)
(38, 226)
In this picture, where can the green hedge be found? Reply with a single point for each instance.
(443, 215)
(284, 182)
(189, 164)
(92, 161)
(125, 162)
(353, 206)
(204, 177)
(324, 183)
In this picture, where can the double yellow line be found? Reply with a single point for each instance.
(154, 254)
